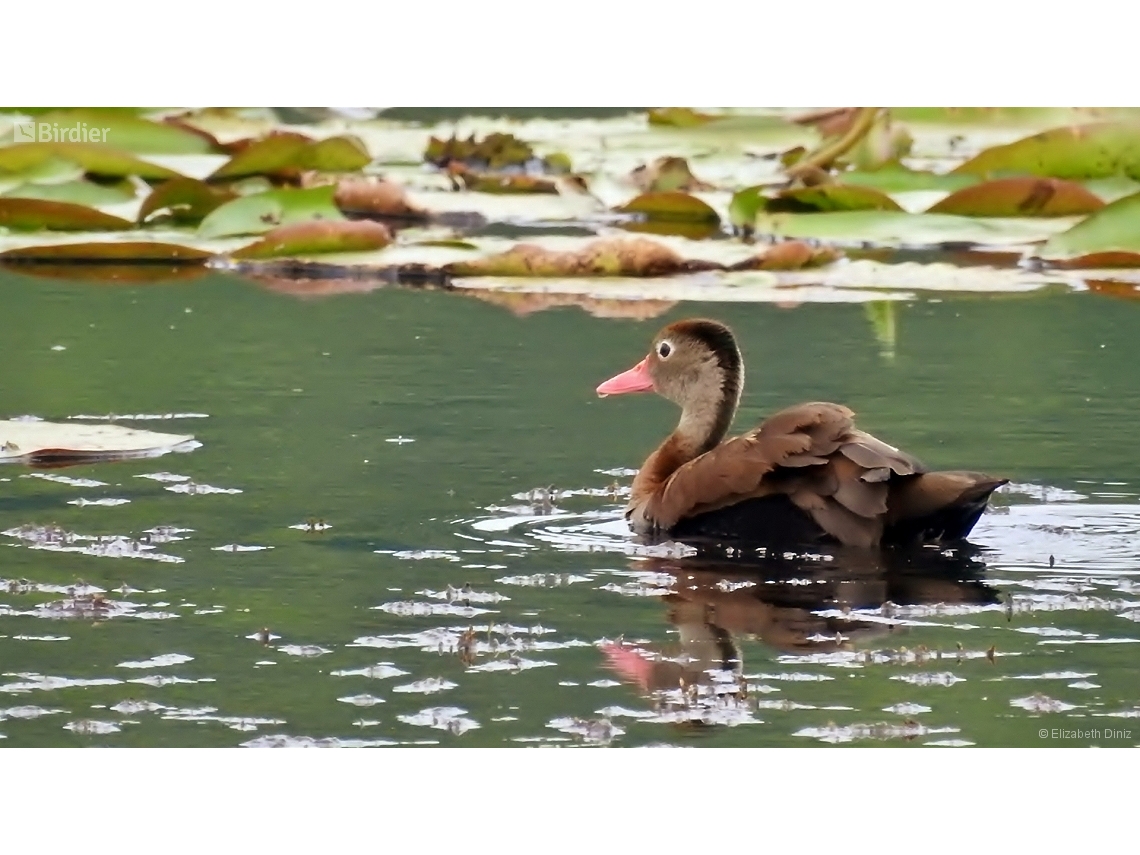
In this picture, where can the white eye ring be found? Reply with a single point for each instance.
(664, 349)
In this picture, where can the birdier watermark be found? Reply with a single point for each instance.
(1094, 733)
(80, 132)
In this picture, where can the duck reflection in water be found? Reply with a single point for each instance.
(818, 603)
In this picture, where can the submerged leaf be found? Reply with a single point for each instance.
(1020, 197)
(187, 200)
(313, 237)
(257, 214)
(608, 257)
(1096, 150)
(36, 214)
(1115, 228)
(23, 158)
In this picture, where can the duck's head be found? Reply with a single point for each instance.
(687, 362)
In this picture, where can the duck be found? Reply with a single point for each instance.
(805, 475)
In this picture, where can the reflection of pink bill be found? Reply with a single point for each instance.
(629, 663)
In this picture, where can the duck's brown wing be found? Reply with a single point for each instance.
(811, 453)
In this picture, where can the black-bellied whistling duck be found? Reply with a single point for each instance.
(805, 475)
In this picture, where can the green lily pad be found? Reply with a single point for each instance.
(286, 155)
(1020, 197)
(137, 251)
(187, 200)
(899, 179)
(121, 131)
(313, 237)
(679, 117)
(831, 197)
(78, 192)
(496, 152)
(666, 174)
(37, 214)
(1114, 228)
(261, 212)
(22, 158)
(670, 205)
(1086, 151)
(899, 227)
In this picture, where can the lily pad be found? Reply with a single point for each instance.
(368, 197)
(1020, 197)
(78, 192)
(666, 174)
(1115, 228)
(674, 205)
(607, 257)
(313, 237)
(97, 159)
(899, 179)
(261, 212)
(899, 227)
(1096, 150)
(113, 251)
(496, 152)
(679, 117)
(53, 442)
(186, 200)
(124, 132)
(831, 197)
(287, 155)
(500, 182)
(36, 214)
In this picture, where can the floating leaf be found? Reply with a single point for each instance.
(831, 197)
(608, 257)
(500, 182)
(790, 255)
(97, 159)
(78, 192)
(1114, 228)
(261, 212)
(667, 174)
(899, 179)
(140, 251)
(745, 205)
(287, 155)
(310, 238)
(123, 131)
(369, 197)
(495, 152)
(899, 227)
(186, 200)
(675, 206)
(1020, 197)
(36, 214)
(51, 442)
(679, 117)
(1086, 151)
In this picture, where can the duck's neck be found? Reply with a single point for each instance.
(705, 419)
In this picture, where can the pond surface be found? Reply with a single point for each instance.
(417, 537)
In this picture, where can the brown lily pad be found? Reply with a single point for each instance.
(496, 152)
(667, 174)
(313, 237)
(376, 197)
(109, 273)
(37, 214)
(1100, 261)
(1109, 288)
(117, 251)
(1020, 197)
(606, 257)
(790, 255)
(673, 206)
(186, 200)
(463, 177)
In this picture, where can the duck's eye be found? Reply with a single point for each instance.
(664, 349)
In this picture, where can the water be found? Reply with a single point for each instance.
(417, 535)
